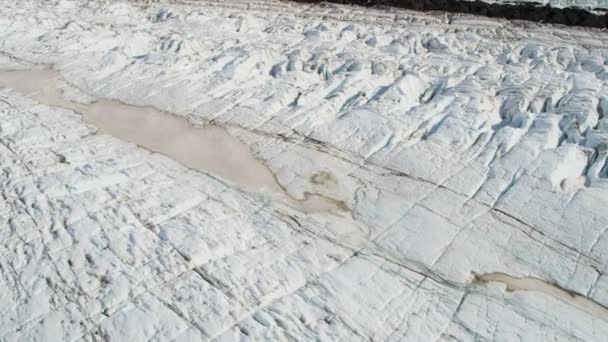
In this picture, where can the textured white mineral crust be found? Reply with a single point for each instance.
(415, 177)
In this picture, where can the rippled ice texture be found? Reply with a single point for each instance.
(466, 161)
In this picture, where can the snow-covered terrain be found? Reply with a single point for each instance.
(382, 175)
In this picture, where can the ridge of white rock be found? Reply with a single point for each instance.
(459, 148)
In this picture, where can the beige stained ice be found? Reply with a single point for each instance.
(209, 148)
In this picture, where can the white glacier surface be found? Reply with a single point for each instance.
(264, 170)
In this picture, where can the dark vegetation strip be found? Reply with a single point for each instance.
(536, 12)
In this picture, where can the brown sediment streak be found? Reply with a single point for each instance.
(537, 285)
(210, 149)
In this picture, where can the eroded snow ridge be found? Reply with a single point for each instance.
(461, 164)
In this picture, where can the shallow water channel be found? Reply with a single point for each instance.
(210, 149)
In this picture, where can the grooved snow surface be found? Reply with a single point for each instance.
(468, 154)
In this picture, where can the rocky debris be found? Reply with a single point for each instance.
(522, 10)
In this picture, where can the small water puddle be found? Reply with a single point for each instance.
(532, 284)
(209, 149)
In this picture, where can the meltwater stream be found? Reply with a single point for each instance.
(208, 149)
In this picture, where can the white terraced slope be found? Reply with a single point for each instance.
(263, 170)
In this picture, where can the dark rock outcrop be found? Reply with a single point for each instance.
(523, 10)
